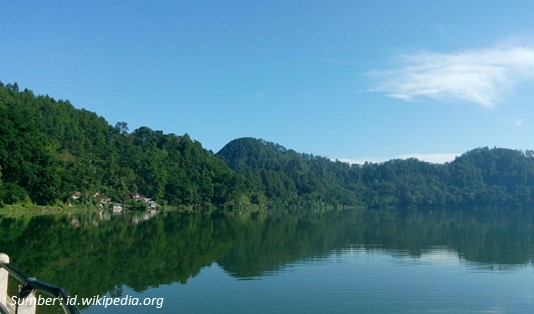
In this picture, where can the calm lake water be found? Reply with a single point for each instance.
(346, 262)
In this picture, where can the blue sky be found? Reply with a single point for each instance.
(353, 80)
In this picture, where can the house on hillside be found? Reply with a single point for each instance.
(76, 195)
(104, 201)
(136, 196)
(150, 203)
(117, 208)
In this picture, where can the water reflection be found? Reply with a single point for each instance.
(101, 253)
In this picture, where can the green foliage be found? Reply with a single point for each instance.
(12, 193)
(50, 150)
(137, 205)
(496, 178)
(289, 179)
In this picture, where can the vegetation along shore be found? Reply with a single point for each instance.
(53, 155)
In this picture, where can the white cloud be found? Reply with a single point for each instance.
(433, 158)
(478, 76)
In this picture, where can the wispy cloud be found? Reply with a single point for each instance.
(433, 158)
(478, 76)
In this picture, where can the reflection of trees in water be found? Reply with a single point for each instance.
(98, 255)
(486, 238)
(93, 259)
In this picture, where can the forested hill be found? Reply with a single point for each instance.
(482, 177)
(53, 153)
(288, 178)
(49, 151)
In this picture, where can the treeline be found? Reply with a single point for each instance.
(51, 151)
(482, 177)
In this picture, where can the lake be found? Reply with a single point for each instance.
(359, 261)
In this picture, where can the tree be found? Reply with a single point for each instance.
(121, 127)
(13, 194)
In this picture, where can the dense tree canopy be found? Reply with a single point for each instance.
(50, 150)
(481, 177)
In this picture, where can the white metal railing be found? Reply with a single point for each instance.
(26, 301)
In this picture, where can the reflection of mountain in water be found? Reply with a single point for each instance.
(93, 254)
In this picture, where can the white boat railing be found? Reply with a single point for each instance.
(26, 300)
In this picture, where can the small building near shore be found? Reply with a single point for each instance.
(117, 208)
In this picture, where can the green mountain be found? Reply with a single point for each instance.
(288, 178)
(49, 150)
(482, 177)
(53, 153)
